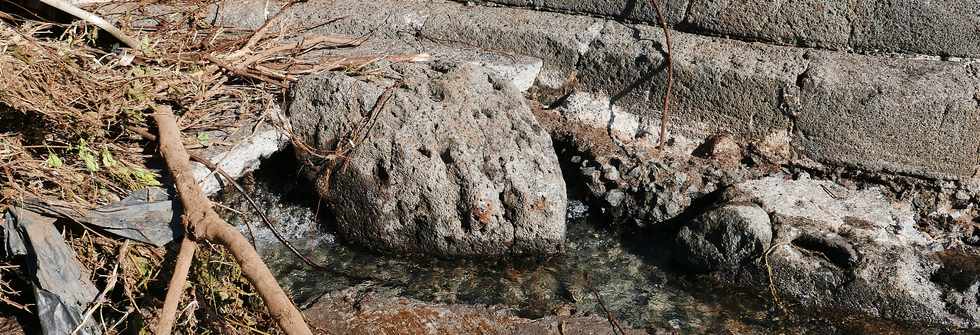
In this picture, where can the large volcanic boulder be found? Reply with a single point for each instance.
(453, 164)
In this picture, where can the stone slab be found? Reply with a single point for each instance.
(718, 83)
(916, 117)
(633, 10)
(941, 28)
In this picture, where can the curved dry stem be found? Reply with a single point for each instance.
(66, 7)
(670, 74)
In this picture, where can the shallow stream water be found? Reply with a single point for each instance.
(632, 274)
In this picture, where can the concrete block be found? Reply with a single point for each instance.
(915, 117)
(942, 28)
(718, 84)
(633, 10)
(811, 23)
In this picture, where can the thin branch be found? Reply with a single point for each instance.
(612, 320)
(110, 284)
(670, 74)
(66, 7)
(168, 314)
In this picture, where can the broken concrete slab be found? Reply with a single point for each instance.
(243, 157)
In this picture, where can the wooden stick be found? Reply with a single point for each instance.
(609, 316)
(202, 222)
(168, 314)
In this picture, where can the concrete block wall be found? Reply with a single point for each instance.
(898, 114)
(941, 28)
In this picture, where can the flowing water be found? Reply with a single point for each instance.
(632, 274)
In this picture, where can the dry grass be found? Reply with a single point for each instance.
(67, 100)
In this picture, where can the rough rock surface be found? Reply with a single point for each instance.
(751, 90)
(354, 311)
(943, 28)
(828, 243)
(453, 164)
(725, 237)
(839, 249)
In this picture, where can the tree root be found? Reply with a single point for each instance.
(202, 222)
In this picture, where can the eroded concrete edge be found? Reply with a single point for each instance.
(754, 90)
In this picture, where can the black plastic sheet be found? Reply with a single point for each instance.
(147, 215)
(62, 289)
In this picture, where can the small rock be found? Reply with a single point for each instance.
(962, 195)
(610, 172)
(615, 197)
(722, 148)
(726, 237)
(775, 147)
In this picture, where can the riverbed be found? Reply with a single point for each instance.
(605, 269)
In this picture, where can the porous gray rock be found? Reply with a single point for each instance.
(836, 249)
(725, 237)
(454, 164)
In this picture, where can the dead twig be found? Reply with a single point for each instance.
(670, 74)
(772, 285)
(609, 316)
(110, 284)
(260, 33)
(94, 19)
